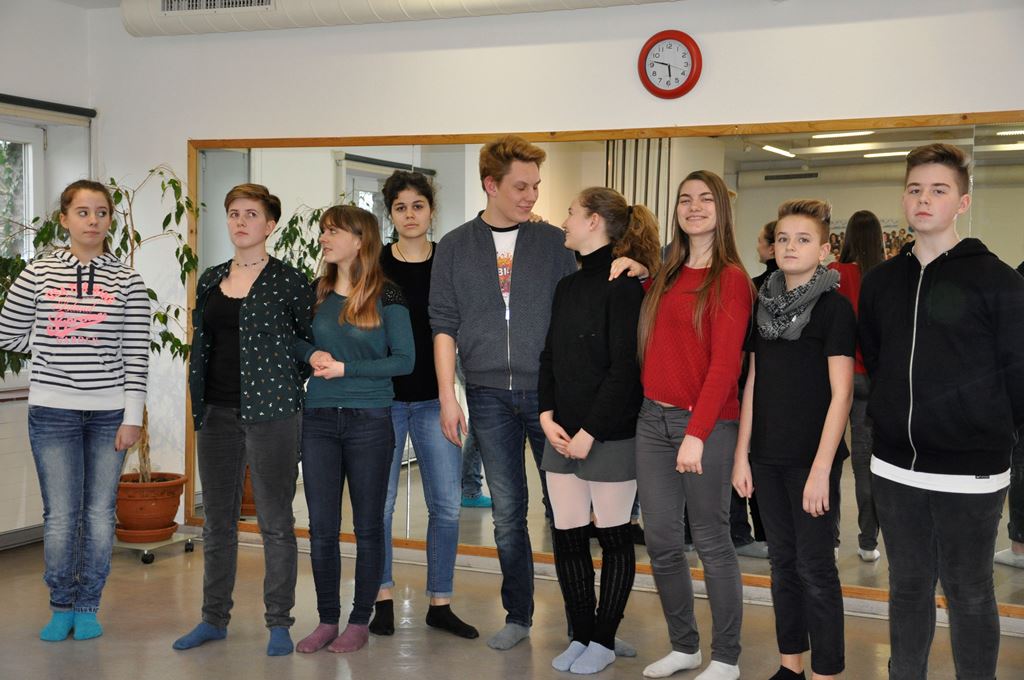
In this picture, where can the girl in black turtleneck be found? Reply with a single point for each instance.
(590, 393)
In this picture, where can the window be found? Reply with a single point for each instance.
(21, 180)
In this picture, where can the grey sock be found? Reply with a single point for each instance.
(509, 636)
(623, 648)
(563, 661)
(595, 659)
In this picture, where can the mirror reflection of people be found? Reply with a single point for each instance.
(790, 448)
(862, 252)
(940, 329)
(1014, 555)
(692, 325)
(84, 316)
(416, 412)
(589, 395)
(363, 339)
(491, 288)
(748, 534)
(250, 344)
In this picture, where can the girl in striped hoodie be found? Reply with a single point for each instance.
(85, 316)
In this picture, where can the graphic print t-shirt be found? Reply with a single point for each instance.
(505, 247)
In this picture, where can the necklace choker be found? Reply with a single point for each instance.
(250, 264)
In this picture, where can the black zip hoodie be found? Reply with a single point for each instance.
(944, 347)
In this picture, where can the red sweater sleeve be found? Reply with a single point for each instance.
(727, 323)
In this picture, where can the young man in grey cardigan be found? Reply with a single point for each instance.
(499, 329)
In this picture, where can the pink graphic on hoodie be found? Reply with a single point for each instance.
(72, 314)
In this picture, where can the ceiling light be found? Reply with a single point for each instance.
(781, 152)
(1009, 133)
(886, 154)
(833, 135)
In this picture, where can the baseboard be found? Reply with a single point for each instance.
(23, 536)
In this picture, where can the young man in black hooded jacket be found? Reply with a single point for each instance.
(941, 329)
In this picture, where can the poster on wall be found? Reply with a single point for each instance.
(895, 235)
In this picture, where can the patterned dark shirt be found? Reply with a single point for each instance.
(275, 342)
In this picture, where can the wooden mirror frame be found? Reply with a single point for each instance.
(751, 129)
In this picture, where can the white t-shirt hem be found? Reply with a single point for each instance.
(932, 481)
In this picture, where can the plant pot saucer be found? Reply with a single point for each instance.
(145, 535)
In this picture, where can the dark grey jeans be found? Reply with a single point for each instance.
(706, 497)
(931, 536)
(271, 450)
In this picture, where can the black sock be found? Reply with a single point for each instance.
(618, 559)
(441, 616)
(383, 618)
(575, 570)
(785, 674)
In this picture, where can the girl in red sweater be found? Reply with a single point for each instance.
(691, 332)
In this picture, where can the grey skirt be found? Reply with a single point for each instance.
(611, 461)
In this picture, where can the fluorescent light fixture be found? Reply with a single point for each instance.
(781, 152)
(834, 135)
(886, 154)
(1009, 133)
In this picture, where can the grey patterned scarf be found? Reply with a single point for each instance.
(783, 313)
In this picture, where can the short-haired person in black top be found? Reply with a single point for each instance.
(589, 396)
(251, 354)
(790, 445)
(416, 411)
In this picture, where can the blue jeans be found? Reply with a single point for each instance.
(441, 469)
(502, 419)
(354, 444)
(933, 535)
(78, 471)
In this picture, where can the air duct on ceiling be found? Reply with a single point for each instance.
(144, 18)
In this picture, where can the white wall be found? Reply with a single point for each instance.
(763, 61)
(44, 47)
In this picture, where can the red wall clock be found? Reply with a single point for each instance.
(669, 64)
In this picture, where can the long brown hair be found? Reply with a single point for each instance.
(632, 229)
(723, 255)
(365, 272)
(863, 242)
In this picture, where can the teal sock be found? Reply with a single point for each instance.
(204, 632)
(59, 627)
(86, 626)
(280, 642)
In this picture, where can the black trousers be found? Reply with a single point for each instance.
(807, 597)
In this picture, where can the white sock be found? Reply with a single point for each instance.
(717, 670)
(563, 661)
(673, 662)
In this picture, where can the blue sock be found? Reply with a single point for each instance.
(280, 642)
(204, 632)
(86, 626)
(59, 627)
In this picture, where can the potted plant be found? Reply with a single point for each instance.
(147, 501)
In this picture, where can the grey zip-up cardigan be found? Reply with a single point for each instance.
(466, 301)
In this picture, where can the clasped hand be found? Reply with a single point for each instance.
(326, 366)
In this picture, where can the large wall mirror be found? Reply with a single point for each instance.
(854, 164)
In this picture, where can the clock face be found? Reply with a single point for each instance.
(669, 64)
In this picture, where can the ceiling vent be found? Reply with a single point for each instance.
(207, 5)
(184, 17)
(790, 176)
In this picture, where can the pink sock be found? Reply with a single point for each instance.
(352, 638)
(318, 639)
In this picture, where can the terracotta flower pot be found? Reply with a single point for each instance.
(145, 512)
